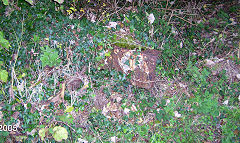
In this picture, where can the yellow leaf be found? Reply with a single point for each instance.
(41, 133)
(23, 75)
(82, 10)
(73, 9)
(204, 6)
(231, 19)
(69, 12)
(86, 86)
(69, 109)
(220, 35)
(18, 100)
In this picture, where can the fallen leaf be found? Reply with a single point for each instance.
(238, 76)
(81, 141)
(105, 111)
(111, 25)
(176, 114)
(225, 102)
(20, 86)
(41, 133)
(63, 90)
(126, 111)
(151, 18)
(167, 102)
(133, 108)
(114, 139)
(209, 62)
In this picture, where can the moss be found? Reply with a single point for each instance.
(126, 42)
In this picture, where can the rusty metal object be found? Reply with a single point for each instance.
(141, 64)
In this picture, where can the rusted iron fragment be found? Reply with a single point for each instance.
(141, 64)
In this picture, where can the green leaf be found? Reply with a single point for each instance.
(3, 42)
(126, 18)
(51, 130)
(69, 109)
(98, 58)
(36, 38)
(59, 1)
(3, 75)
(5, 2)
(108, 54)
(60, 133)
(29, 1)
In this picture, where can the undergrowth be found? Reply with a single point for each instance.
(55, 87)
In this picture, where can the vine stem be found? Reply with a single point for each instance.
(19, 43)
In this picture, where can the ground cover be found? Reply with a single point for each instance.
(56, 85)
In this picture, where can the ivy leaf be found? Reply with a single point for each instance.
(3, 75)
(29, 1)
(3, 42)
(5, 2)
(59, 1)
(60, 133)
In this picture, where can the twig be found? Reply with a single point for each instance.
(177, 59)
(170, 18)
(70, 130)
(66, 125)
(115, 11)
(184, 20)
(147, 81)
(239, 50)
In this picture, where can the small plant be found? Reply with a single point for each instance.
(49, 57)
(3, 75)
(3, 42)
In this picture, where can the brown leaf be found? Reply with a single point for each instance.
(55, 99)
